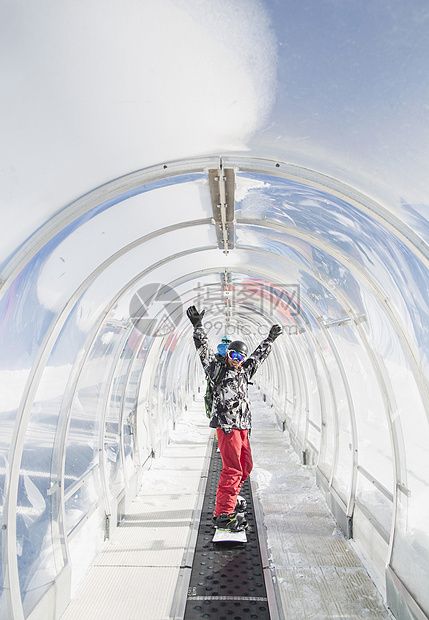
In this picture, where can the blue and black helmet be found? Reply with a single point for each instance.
(239, 346)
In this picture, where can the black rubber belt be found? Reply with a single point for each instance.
(227, 582)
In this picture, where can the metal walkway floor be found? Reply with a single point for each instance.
(145, 571)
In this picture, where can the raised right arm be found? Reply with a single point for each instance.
(206, 353)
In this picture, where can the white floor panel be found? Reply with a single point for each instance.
(145, 544)
(177, 507)
(180, 481)
(138, 593)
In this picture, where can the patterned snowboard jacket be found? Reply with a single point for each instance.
(231, 407)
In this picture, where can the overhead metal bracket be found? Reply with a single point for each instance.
(327, 323)
(222, 186)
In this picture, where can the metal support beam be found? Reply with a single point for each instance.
(222, 186)
(226, 282)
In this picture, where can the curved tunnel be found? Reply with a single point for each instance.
(97, 358)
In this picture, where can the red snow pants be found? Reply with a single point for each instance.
(237, 464)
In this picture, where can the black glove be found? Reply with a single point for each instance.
(275, 331)
(194, 316)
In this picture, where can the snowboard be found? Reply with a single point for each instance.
(227, 536)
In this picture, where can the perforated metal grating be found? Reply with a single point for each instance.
(227, 581)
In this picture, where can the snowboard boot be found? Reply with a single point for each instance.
(232, 522)
(241, 504)
(240, 509)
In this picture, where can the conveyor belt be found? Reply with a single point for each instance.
(227, 582)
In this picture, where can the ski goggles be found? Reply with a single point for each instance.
(235, 355)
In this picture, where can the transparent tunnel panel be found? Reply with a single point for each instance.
(38, 504)
(168, 379)
(116, 436)
(109, 228)
(83, 477)
(37, 564)
(160, 424)
(328, 407)
(284, 387)
(21, 313)
(314, 389)
(299, 415)
(359, 238)
(83, 432)
(410, 439)
(343, 437)
(129, 406)
(140, 411)
(409, 560)
(374, 445)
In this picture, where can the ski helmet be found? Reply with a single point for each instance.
(221, 348)
(239, 346)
